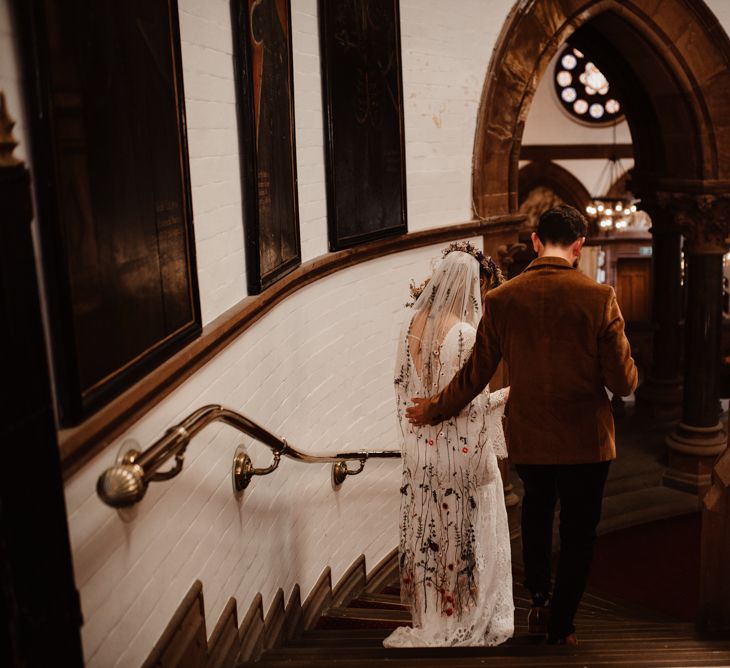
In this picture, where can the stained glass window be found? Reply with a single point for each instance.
(583, 90)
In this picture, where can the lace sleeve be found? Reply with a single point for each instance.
(495, 414)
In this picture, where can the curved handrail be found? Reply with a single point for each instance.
(125, 484)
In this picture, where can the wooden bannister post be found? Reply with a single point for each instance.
(40, 614)
(714, 612)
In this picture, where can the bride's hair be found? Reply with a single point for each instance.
(451, 296)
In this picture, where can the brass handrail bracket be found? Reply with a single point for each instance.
(244, 470)
(340, 471)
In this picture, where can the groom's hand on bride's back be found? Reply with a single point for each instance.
(416, 414)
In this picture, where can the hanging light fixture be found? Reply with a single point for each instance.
(613, 213)
(610, 212)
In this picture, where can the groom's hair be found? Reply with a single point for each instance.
(561, 226)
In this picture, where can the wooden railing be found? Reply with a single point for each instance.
(715, 560)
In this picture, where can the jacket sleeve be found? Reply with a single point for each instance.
(473, 377)
(619, 371)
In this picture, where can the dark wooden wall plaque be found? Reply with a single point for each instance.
(111, 174)
(265, 96)
(363, 110)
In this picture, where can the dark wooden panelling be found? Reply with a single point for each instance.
(274, 622)
(384, 573)
(40, 614)
(183, 643)
(633, 288)
(352, 582)
(363, 109)
(107, 119)
(223, 645)
(80, 444)
(714, 580)
(294, 619)
(547, 152)
(319, 600)
(121, 196)
(251, 632)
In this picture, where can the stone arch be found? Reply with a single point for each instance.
(674, 66)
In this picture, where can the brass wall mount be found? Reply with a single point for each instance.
(244, 470)
(340, 471)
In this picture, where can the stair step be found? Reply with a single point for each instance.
(403, 617)
(375, 636)
(644, 505)
(585, 621)
(385, 598)
(637, 648)
(559, 656)
(393, 589)
(338, 618)
(365, 602)
(597, 602)
(630, 482)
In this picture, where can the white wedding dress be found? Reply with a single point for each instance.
(455, 561)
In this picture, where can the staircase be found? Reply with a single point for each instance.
(610, 634)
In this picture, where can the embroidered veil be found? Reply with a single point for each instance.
(454, 540)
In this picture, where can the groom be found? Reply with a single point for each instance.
(562, 336)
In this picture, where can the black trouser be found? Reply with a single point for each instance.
(579, 487)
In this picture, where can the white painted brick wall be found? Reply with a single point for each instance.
(210, 104)
(309, 129)
(446, 50)
(317, 370)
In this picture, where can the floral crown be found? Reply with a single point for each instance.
(485, 262)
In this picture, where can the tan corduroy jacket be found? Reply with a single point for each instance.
(562, 336)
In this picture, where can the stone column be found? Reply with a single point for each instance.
(700, 437)
(660, 395)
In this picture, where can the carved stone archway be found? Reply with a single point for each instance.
(675, 59)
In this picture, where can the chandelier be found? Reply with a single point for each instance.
(612, 213)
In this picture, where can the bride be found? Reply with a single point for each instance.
(455, 566)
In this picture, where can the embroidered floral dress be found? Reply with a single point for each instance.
(455, 565)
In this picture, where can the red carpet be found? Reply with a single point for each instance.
(655, 565)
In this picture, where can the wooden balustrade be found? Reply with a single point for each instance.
(715, 559)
